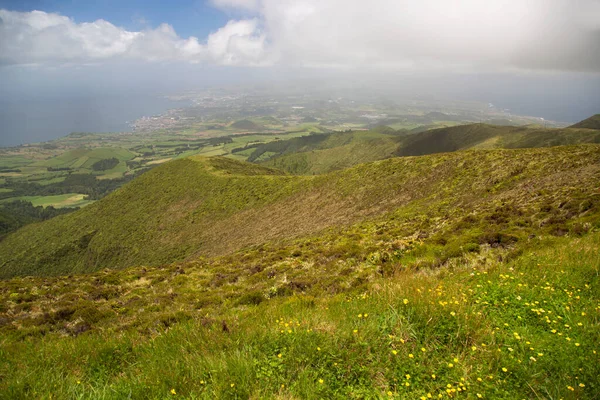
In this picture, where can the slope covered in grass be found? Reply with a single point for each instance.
(245, 125)
(482, 136)
(592, 122)
(209, 207)
(328, 152)
(477, 327)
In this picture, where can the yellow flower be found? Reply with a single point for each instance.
(318, 349)
(455, 359)
(570, 387)
(407, 376)
(581, 385)
(279, 355)
(410, 356)
(479, 379)
(232, 385)
(504, 369)
(173, 391)
(433, 376)
(390, 394)
(355, 331)
(577, 344)
(321, 381)
(405, 301)
(473, 348)
(423, 349)
(394, 352)
(450, 365)
(479, 396)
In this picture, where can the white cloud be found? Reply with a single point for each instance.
(470, 35)
(37, 37)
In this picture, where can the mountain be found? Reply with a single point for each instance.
(246, 125)
(483, 136)
(472, 272)
(592, 122)
(322, 153)
(200, 207)
(333, 151)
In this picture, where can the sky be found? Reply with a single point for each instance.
(532, 51)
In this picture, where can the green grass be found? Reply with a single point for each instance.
(592, 122)
(58, 201)
(492, 136)
(337, 151)
(325, 153)
(524, 328)
(184, 208)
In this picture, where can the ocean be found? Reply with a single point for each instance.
(43, 119)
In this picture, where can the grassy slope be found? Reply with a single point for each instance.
(492, 136)
(193, 207)
(338, 151)
(341, 150)
(525, 328)
(592, 122)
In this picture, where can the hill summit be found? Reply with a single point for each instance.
(592, 122)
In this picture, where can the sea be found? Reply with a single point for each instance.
(36, 120)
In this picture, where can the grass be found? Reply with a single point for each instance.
(592, 122)
(476, 327)
(492, 136)
(334, 151)
(184, 208)
(337, 151)
(58, 201)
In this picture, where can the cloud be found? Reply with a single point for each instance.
(38, 37)
(464, 35)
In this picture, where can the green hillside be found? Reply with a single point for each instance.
(592, 122)
(486, 286)
(320, 153)
(246, 125)
(482, 136)
(328, 152)
(208, 207)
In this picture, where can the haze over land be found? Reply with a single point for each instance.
(531, 57)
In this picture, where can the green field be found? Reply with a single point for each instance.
(59, 201)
